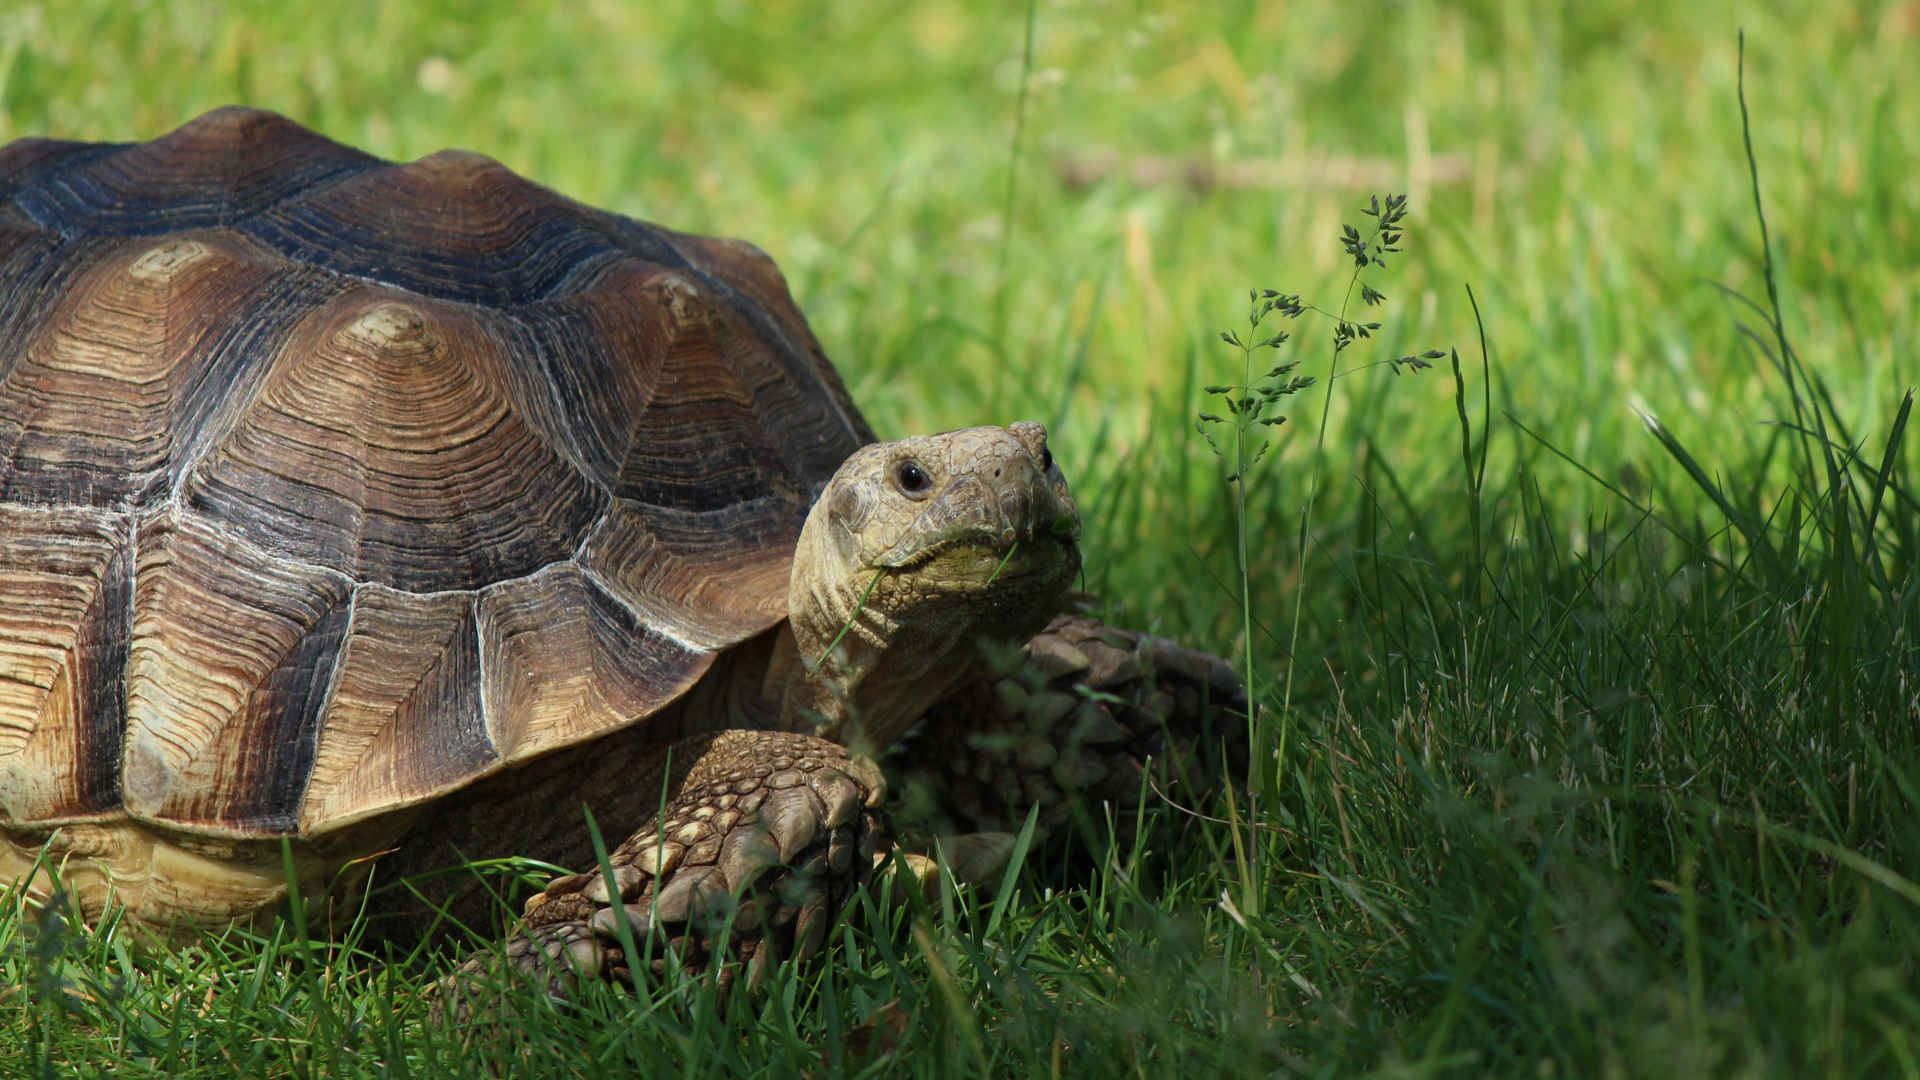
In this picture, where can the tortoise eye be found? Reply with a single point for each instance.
(1046, 458)
(912, 479)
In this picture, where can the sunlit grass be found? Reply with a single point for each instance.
(1620, 779)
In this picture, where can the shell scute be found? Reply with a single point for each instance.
(385, 443)
(89, 396)
(64, 628)
(405, 719)
(227, 676)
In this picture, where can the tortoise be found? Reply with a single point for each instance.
(395, 512)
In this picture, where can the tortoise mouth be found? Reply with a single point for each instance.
(986, 559)
(1039, 556)
(1060, 536)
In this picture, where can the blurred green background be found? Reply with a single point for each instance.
(978, 233)
(1594, 797)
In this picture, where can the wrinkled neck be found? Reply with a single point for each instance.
(845, 671)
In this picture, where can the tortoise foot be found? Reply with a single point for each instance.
(750, 861)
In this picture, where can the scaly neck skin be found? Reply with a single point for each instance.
(844, 670)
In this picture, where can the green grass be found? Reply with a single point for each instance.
(1603, 764)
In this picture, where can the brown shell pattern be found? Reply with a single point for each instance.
(329, 484)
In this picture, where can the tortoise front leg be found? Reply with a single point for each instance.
(763, 837)
(1080, 714)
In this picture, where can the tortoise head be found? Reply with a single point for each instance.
(916, 553)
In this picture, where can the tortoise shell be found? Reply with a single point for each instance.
(329, 485)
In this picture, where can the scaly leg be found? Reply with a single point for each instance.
(1088, 709)
(762, 840)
